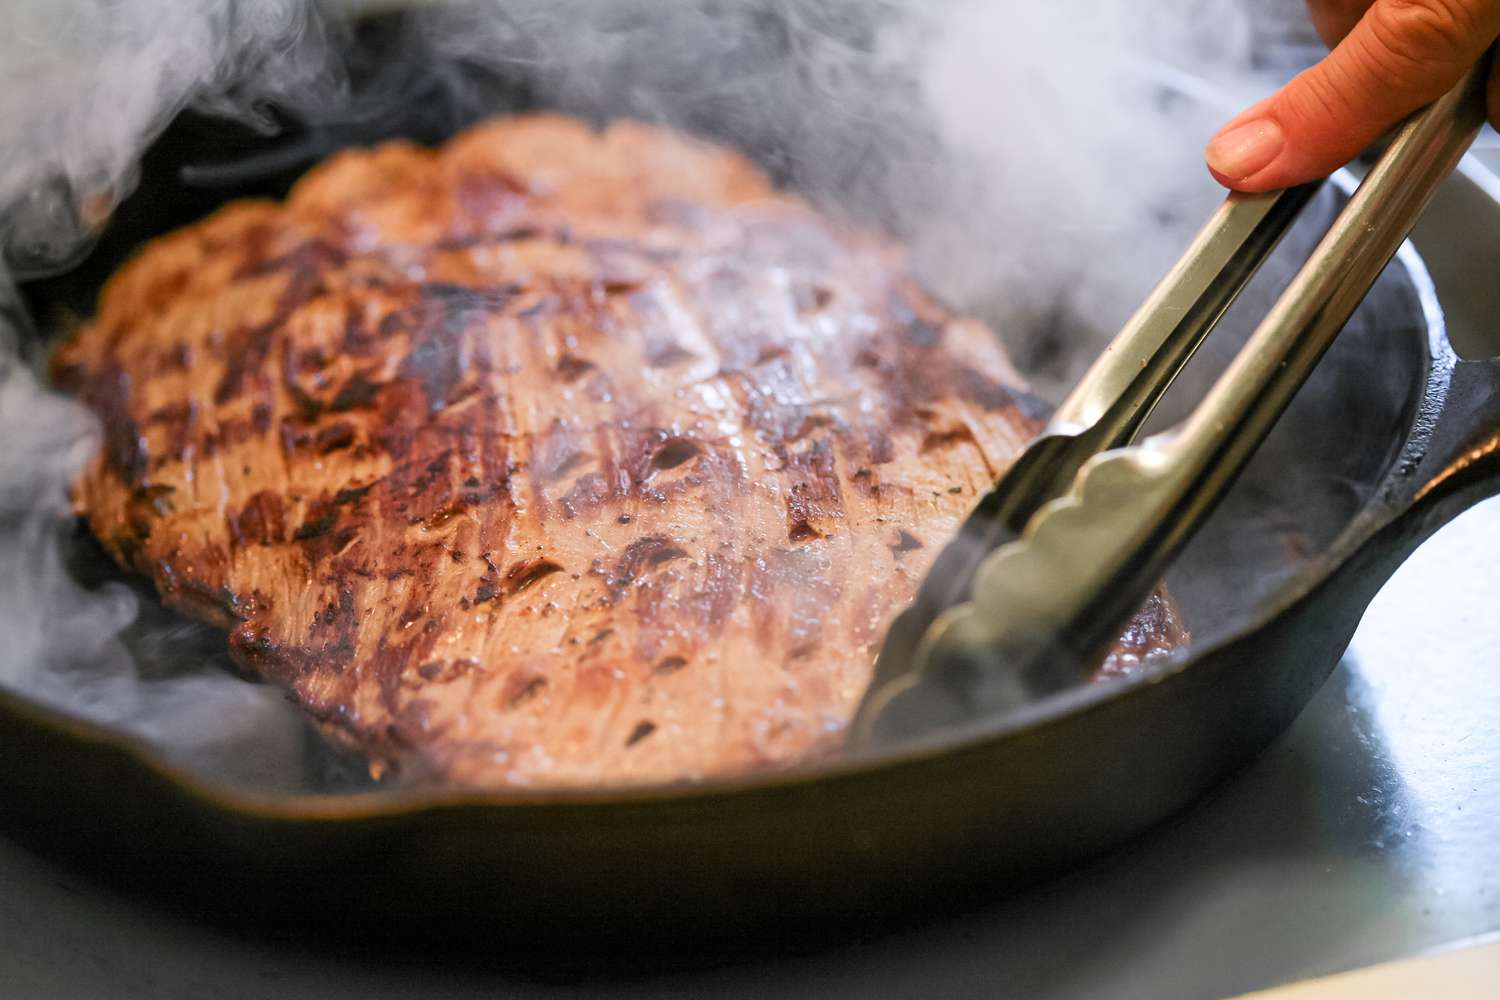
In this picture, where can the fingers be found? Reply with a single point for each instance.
(1334, 19)
(1399, 56)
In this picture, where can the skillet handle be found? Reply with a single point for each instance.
(1462, 463)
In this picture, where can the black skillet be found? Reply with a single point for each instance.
(1393, 437)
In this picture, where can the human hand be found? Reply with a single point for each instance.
(1389, 58)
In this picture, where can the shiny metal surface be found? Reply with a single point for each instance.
(1049, 603)
(1119, 391)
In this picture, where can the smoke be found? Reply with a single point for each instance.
(1083, 176)
(1027, 152)
(63, 642)
(87, 84)
(1032, 155)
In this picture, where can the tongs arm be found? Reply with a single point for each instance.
(1113, 399)
(1046, 605)
(1117, 394)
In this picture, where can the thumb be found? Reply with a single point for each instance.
(1401, 55)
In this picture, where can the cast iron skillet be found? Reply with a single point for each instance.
(1393, 437)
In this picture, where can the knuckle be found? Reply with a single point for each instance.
(1415, 32)
(1323, 94)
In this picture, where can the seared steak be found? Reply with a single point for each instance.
(551, 456)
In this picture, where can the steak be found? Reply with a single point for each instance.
(552, 456)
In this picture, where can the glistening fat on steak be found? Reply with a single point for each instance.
(549, 457)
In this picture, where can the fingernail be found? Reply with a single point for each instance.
(1245, 149)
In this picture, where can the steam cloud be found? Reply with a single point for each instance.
(1027, 152)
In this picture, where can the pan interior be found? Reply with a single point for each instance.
(1327, 459)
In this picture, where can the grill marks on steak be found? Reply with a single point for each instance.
(552, 456)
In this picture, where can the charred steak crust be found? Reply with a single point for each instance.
(552, 456)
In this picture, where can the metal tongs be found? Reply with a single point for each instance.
(1049, 568)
